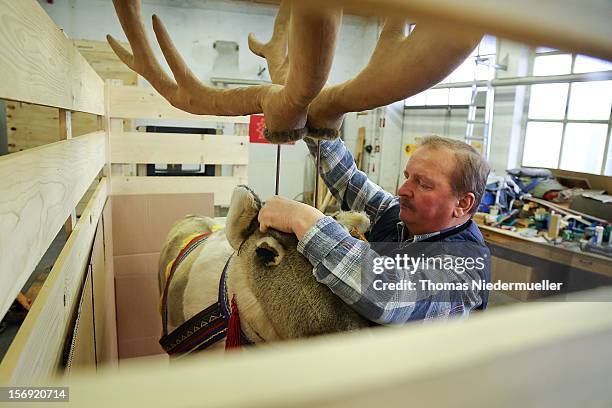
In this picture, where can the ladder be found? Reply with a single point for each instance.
(487, 123)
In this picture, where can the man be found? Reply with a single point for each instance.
(445, 181)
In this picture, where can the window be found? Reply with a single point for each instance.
(568, 125)
(466, 72)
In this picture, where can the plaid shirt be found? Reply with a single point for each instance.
(337, 257)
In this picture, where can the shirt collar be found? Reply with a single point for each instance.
(420, 237)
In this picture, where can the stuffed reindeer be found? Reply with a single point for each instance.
(260, 277)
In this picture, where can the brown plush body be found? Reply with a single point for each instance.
(273, 285)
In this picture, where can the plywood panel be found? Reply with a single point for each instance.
(35, 353)
(140, 147)
(133, 102)
(39, 188)
(38, 64)
(222, 187)
(108, 353)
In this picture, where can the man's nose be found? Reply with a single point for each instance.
(405, 190)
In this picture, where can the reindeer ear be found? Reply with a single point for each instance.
(353, 220)
(242, 216)
(270, 251)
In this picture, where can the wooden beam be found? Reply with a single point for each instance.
(38, 64)
(134, 102)
(554, 23)
(35, 353)
(530, 354)
(39, 188)
(140, 147)
(221, 186)
(65, 130)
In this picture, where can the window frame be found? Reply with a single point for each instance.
(565, 120)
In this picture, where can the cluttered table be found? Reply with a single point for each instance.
(539, 247)
(549, 230)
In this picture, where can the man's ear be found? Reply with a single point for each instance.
(465, 205)
(242, 216)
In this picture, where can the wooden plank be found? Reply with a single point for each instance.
(555, 23)
(65, 133)
(36, 351)
(106, 330)
(35, 125)
(38, 64)
(134, 102)
(39, 188)
(140, 147)
(221, 186)
(530, 355)
(105, 62)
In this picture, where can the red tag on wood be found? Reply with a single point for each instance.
(257, 124)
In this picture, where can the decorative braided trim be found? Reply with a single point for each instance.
(285, 136)
(323, 133)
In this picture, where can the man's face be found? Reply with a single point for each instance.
(427, 199)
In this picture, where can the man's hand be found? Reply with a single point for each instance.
(288, 216)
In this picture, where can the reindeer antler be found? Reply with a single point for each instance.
(399, 67)
(285, 107)
(275, 50)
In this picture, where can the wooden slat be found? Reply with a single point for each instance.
(105, 62)
(139, 147)
(221, 186)
(36, 351)
(39, 188)
(38, 64)
(528, 355)
(134, 102)
(572, 25)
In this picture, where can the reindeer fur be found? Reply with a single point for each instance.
(274, 288)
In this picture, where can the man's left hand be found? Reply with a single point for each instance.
(288, 216)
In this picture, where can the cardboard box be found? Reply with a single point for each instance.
(140, 225)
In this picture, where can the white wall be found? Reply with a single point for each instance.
(508, 115)
(194, 29)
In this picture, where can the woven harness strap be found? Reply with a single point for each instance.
(205, 328)
(185, 251)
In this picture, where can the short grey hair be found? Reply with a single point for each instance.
(471, 171)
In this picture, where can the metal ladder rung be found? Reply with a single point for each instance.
(478, 138)
(477, 122)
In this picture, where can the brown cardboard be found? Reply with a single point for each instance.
(141, 222)
(137, 296)
(140, 225)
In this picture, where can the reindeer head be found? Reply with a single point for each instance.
(268, 266)
(299, 57)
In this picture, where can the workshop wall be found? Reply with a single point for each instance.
(508, 114)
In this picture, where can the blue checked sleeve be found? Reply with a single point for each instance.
(338, 261)
(350, 186)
